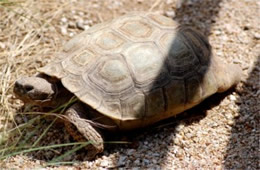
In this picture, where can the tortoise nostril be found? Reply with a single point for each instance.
(28, 88)
(16, 84)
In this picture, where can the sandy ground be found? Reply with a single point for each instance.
(222, 133)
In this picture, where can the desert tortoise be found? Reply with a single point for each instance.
(130, 72)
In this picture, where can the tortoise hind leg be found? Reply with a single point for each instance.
(82, 131)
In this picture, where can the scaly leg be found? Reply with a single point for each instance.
(81, 130)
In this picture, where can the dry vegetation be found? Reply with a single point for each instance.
(221, 133)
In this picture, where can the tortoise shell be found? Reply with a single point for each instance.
(137, 69)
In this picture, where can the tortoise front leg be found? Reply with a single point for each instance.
(81, 130)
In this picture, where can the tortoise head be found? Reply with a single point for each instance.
(35, 90)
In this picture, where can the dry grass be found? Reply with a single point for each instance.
(30, 35)
(28, 39)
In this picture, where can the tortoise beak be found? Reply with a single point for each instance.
(20, 89)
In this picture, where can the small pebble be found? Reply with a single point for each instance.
(257, 36)
(86, 27)
(156, 154)
(179, 4)
(88, 22)
(146, 161)
(170, 14)
(217, 32)
(122, 160)
(169, 2)
(237, 61)
(80, 25)
(136, 168)
(64, 20)
(63, 31)
(137, 162)
(71, 34)
(81, 13)
(104, 163)
(154, 161)
(2, 45)
(232, 97)
(71, 25)
(230, 122)
(130, 151)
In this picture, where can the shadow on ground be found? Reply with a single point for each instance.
(243, 148)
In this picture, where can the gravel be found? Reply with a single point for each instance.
(221, 133)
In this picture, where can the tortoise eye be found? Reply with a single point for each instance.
(28, 88)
